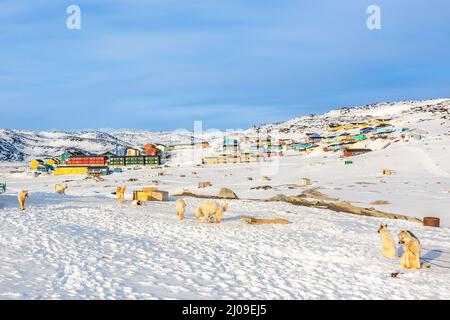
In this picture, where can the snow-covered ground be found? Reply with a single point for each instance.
(90, 247)
(85, 245)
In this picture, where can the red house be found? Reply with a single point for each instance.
(150, 150)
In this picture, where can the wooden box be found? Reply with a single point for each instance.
(160, 195)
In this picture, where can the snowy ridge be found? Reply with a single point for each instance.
(19, 145)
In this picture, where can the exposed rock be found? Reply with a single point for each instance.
(226, 193)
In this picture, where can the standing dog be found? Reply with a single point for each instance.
(120, 193)
(210, 209)
(388, 248)
(22, 197)
(60, 188)
(411, 250)
(181, 208)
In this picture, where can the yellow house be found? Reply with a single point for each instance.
(53, 161)
(357, 145)
(210, 160)
(133, 152)
(233, 159)
(337, 128)
(245, 157)
(70, 170)
(36, 163)
(222, 158)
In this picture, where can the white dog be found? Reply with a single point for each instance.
(60, 188)
(181, 208)
(210, 209)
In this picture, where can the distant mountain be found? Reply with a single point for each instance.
(19, 145)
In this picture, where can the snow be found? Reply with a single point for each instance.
(83, 245)
(67, 247)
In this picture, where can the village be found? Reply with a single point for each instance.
(347, 140)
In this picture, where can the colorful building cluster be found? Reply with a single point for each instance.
(77, 162)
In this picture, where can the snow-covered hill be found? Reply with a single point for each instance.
(412, 114)
(429, 115)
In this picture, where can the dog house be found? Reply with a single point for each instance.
(305, 182)
(431, 222)
(204, 184)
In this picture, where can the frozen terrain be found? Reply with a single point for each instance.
(92, 248)
(85, 245)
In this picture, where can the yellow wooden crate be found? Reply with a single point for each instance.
(143, 196)
(160, 195)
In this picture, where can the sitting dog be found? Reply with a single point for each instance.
(120, 193)
(60, 188)
(411, 250)
(388, 248)
(22, 197)
(181, 208)
(210, 209)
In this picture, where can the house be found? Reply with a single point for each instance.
(355, 152)
(230, 142)
(69, 153)
(81, 161)
(314, 137)
(150, 150)
(183, 146)
(222, 158)
(163, 150)
(384, 128)
(366, 130)
(202, 144)
(210, 160)
(245, 157)
(359, 137)
(233, 159)
(104, 170)
(53, 161)
(302, 147)
(355, 146)
(335, 128)
(36, 163)
(62, 170)
(255, 157)
(132, 152)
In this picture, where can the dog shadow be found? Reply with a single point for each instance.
(431, 255)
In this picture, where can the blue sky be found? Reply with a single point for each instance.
(162, 64)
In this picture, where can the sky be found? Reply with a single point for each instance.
(160, 65)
